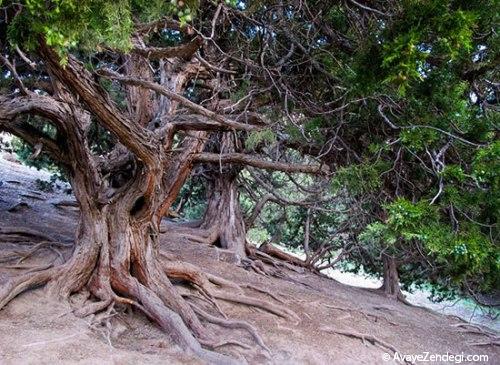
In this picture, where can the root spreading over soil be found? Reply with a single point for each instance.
(260, 311)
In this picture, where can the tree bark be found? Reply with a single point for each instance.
(223, 214)
(116, 258)
(390, 285)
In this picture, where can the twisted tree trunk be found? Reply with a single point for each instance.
(116, 258)
(116, 255)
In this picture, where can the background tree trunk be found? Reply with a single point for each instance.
(390, 285)
(223, 214)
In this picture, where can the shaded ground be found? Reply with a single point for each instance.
(34, 330)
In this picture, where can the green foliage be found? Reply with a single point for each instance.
(404, 60)
(193, 199)
(486, 166)
(418, 138)
(64, 24)
(258, 235)
(90, 25)
(463, 254)
(263, 136)
(359, 179)
(427, 29)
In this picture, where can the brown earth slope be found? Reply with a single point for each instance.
(34, 330)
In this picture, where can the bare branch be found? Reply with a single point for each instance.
(138, 139)
(367, 8)
(179, 98)
(393, 126)
(183, 51)
(25, 58)
(13, 71)
(241, 158)
(165, 23)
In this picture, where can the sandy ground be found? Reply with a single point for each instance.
(35, 330)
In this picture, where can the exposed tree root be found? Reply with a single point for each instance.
(265, 291)
(150, 304)
(365, 314)
(208, 284)
(273, 251)
(286, 261)
(226, 343)
(398, 296)
(25, 254)
(21, 233)
(486, 343)
(92, 308)
(208, 300)
(258, 267)
(92, 271)
(18, 284)
(231, 324)
(493, 338)
(364, 337)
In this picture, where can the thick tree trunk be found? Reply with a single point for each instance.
(223, 215)
(116, 258)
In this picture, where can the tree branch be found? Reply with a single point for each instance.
(16, 77)
(185, 51)
(138, 139)
(44, 106)
(38, 140)
(165, 23)
(180, 99)
(244, 159)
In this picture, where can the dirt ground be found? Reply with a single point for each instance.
(35, 330)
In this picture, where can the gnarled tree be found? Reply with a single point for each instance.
(160, 133)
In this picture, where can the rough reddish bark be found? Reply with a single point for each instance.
(223, 216)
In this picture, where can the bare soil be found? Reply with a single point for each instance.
(36, 330)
